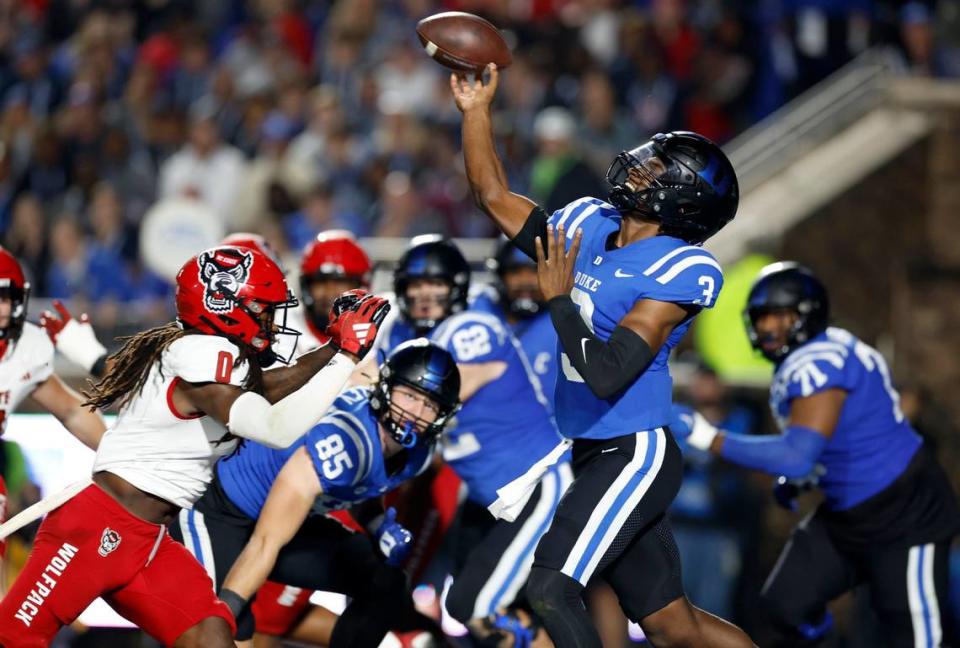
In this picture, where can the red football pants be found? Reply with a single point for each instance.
(92, 546)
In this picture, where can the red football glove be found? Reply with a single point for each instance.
(53, 324)
(355, 318)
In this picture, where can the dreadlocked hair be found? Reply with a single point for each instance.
(131, 365)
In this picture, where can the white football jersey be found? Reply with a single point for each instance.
(160, 450)
(27, 363)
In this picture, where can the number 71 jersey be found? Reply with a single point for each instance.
(608, 281)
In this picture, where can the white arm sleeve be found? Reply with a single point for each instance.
(279, 425)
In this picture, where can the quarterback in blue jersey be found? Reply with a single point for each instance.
(618, 307)
(515, 298)
(888, 515)
(264, 512)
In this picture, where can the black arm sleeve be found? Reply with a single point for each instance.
(607, 367)
(534, 226)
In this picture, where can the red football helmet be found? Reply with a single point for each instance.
(224, 291)
(13, 286)
(251, 241)
(334, 254)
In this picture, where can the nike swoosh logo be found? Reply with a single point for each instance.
(583, 346)
(606, 450)
(620, 274)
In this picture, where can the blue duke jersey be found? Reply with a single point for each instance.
(537, 337)
(505, 427)
(607, 284)
(872, 442)
(346, 453)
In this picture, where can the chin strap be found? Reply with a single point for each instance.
(409, 436)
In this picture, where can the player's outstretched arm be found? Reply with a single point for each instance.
(287, 506)
(792, 454)
(251, 416)
(485, 173)
(67, 406)
(607, 367)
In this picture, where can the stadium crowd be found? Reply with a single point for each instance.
(287, 117)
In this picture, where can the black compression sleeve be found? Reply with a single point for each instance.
(607, 367)
(534, 226)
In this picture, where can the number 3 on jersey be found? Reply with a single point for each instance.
(582, 299)
(335, 459)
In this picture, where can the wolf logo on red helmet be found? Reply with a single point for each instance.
(223, 271)
(236, 293)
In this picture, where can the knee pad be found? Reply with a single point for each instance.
(552, 592)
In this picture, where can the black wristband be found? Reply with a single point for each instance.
(534, 226)
(99, 367)
(234, 601)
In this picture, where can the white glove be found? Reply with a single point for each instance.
(702, 433)
(72, 337)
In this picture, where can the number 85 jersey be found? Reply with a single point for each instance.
(345, 450)
(608, 281)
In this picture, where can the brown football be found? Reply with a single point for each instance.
(463, 42)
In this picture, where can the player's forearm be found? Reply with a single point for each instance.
(283, 381)
(87, 426)
(487, 178)
(279, 424)
(606, 367)
(252, 567)
(792, 454)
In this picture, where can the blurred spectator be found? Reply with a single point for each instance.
(924, 55)
(205, 169)
(68, 264)
(26, 239)
(713, 515)
(558, 174)
(268, 169)
(319, 212)
(606, 129)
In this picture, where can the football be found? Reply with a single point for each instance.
(463, 42)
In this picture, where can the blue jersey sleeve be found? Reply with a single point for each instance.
(815, 368)
(584, 214)
(688, 275)
(473, 337)
(340, 450)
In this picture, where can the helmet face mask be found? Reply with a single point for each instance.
(424, 368)
(681, 180)
(15, 288)
(335, 259)
(516, 281)
(797, 298)
(439, 260)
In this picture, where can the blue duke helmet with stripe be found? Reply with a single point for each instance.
(608, 281)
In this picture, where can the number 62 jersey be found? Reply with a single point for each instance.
(608, 281)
